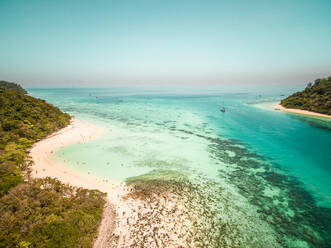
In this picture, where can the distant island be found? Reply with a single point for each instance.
(38, 212)
(316, 97)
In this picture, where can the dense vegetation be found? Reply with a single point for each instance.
(23, 120)
(38, 212)
(9, 85)
(47, 213)
(316, 97)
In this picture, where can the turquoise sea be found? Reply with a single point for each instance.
(249, 165)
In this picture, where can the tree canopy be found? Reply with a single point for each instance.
(38, 212)
(315, 97)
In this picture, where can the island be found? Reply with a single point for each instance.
(39, 212)
(314, 100)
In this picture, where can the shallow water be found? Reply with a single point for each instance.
(262, 172)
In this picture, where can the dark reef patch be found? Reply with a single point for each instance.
(282, 199)
(198, 212)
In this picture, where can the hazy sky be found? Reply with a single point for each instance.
(99, 43)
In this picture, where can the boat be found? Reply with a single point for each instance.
(223, 109)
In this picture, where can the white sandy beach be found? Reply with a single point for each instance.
(118, 228)
(299, 111)
(44, 166)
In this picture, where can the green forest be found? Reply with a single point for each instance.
(315, 97)
(38, 212)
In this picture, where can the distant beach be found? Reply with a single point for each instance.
(273, 105)
(300, 111)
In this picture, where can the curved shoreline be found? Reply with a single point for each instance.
(111, 225)
(43, 165)
(302, 112)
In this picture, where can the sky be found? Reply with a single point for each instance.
(67, 43)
